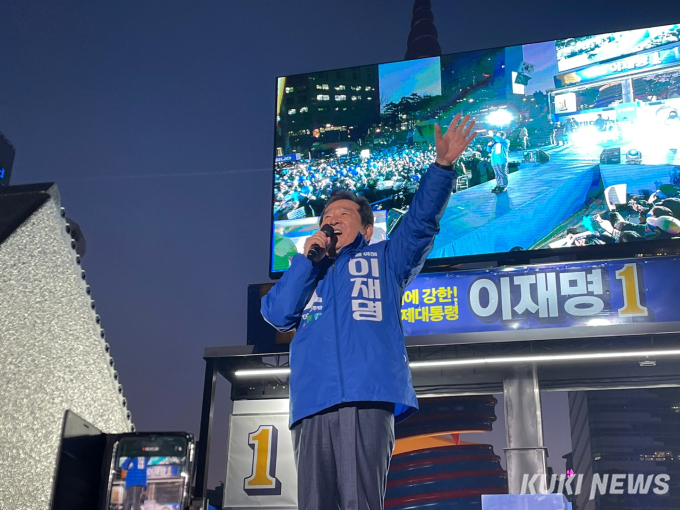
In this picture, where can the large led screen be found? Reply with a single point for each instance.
(592, 123)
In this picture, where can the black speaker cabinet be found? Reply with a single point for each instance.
(611, 156)
(542, 156)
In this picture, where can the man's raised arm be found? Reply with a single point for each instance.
(413, 239)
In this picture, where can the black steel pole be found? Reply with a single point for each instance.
(203, 455)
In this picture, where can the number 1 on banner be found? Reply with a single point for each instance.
(632, 307)
(262, 480)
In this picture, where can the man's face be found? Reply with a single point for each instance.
(343, 216)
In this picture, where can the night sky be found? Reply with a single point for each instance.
(156, 119)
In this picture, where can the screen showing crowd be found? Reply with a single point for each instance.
(577, 143)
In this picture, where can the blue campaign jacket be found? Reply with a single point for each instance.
(349, 345)
(499, 151)
(136, 471)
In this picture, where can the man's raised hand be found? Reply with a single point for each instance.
(456, 139)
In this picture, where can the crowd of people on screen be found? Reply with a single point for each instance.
(646, 216)
(389, 177)
(302, 187)
(308, 184)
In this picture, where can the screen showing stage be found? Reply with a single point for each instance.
(586, 129)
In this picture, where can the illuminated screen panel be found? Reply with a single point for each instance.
(592, 148)
(583, 51)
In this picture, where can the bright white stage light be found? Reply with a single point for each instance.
(262, 372)
(500, 117)
(587, 136)
(544, 358)
(500, 360)
(365, 153)
(341, 151)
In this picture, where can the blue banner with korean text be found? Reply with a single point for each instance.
(545, 297)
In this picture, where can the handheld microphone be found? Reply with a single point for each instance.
(315, 248)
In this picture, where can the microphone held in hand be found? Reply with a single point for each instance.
(315, 249)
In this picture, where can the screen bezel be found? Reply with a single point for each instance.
(500, 259)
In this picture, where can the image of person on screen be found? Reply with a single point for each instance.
(552, 132)
(570, 128)
(350, 379)
(499, 161)
(524, 137)
(135, 482)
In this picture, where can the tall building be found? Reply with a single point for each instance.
(327, 107)
(423, 38)
(626, 432)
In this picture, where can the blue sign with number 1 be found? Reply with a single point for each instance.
(605, 293)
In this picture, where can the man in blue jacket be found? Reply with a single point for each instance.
(135, 481)
(350, 378)
(499, 161)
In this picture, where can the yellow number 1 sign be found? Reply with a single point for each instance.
(632, 292)
(262, 480)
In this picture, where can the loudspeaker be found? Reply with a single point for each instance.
(542, 157)
(611, 156)
(513, 166)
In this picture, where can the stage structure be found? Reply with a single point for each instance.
(513, 330)
(53, 353)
